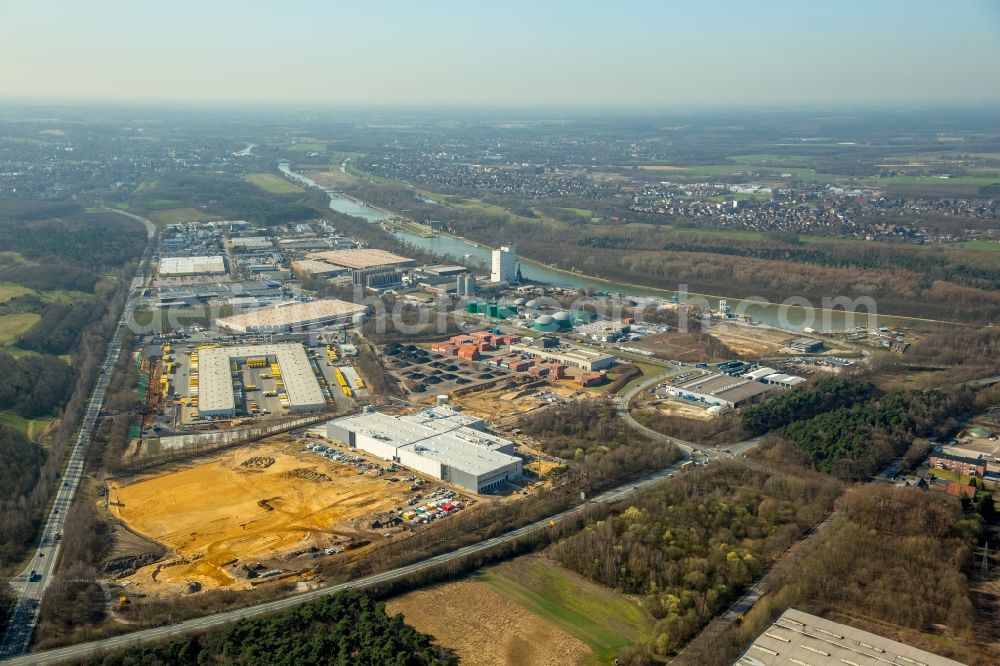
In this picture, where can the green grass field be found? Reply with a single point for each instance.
(180, 215)
(306, 146)
(978, 245)
(933, 180)
(603, 619)
(579, 212)
(13, 325)
(9, 290)
(273, 183)
(32, 428)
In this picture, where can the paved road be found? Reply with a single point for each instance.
(692, 449)
(82, 650)
(30, 583)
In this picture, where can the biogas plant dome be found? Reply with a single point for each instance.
(546, 324)
(518, 301)
(531, 304)
(563, 320)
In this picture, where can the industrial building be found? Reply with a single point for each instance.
(252, 244)
(585, 359)
(806, 345)
(252, 293)
(284, 318)
(719, 389)
(800, 638)
(362, 258)
(604, 331)
(178, 266)
(772, 376)
(311, 268)
(217, 395)
(504, 264)
(377, 277)
(439, 442)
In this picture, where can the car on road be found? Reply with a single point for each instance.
(34, 576)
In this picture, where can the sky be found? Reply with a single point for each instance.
(574, 53)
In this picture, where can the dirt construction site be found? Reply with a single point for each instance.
(249, 515)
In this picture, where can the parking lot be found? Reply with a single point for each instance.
(423, 371)
(421, 508)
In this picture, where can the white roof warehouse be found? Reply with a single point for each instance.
(213, 265)
(438, 442)
(283, 318)
(215, 375)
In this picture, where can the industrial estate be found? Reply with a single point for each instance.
(458, 370)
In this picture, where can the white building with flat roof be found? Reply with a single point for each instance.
(283, 318)
(801, 638)
(504, 268)
(215, 394)
(438, 442)
(177, 266)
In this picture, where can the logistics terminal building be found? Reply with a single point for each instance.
(284, 318)
(217, 395)
(439, 442)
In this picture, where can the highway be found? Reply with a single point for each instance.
(31, 582)
(83, 650)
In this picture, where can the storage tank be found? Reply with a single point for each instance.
(563, 320)
(545, 324)
(531, 304)
(519, 302)
(442, 399)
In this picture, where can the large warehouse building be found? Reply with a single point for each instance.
(178, 266)
(438, 442)
(216, 395)
(284, 318)
(362, 258)
(801, 638)
(720, 389)
(577, 357)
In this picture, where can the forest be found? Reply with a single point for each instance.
(689, 546)
(87, 241)
(56, 332)
(340, 630)
(804, 403)
(598, 444)
(853, 442)
(224, 195)
(34, 386)
(52, 246)
(895, 563)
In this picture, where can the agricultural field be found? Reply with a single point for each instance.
(333, 179)
(182, 215)
(526, 611)
(273, 183)
(216, 514)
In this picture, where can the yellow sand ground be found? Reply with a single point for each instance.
(211, 513)
(750, 340)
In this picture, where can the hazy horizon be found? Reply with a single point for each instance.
(629, 55)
